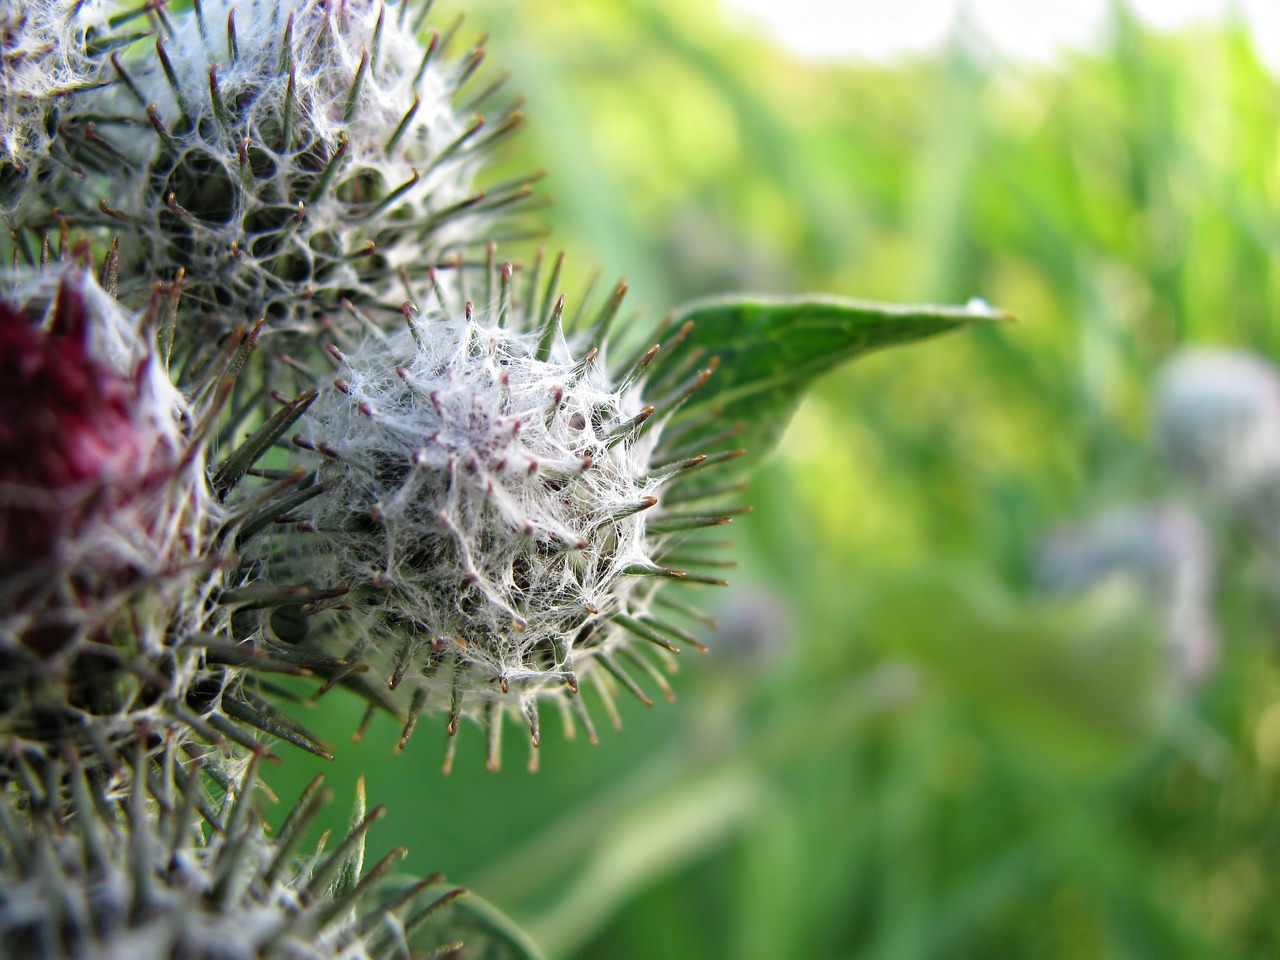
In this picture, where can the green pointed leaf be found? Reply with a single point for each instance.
(353, 865)
(770, 350)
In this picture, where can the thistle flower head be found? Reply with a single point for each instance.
(1164, 551)
(1217, 420)
(92, 486)
(286, 155)
(102, 516)
(490, 495)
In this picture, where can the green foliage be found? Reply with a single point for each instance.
(933, 763)
(896, 747)
(770, 350)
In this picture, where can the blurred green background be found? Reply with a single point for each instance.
(896, 748)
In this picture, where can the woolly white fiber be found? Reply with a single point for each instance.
(44, 56)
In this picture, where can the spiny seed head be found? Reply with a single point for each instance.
(488, 492)
(96, 877)
(45, 57)
(286, 155)
(481, 488)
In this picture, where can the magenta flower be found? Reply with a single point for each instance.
(89, 450)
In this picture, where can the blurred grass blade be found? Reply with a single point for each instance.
(497, 928)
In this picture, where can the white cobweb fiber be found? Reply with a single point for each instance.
(251, 235)
(45, 57)
(485, 495)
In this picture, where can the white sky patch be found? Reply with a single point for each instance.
(1170, 14)
(1264, 18)
(839, 28)
(1038, 29)
(1025, 29)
